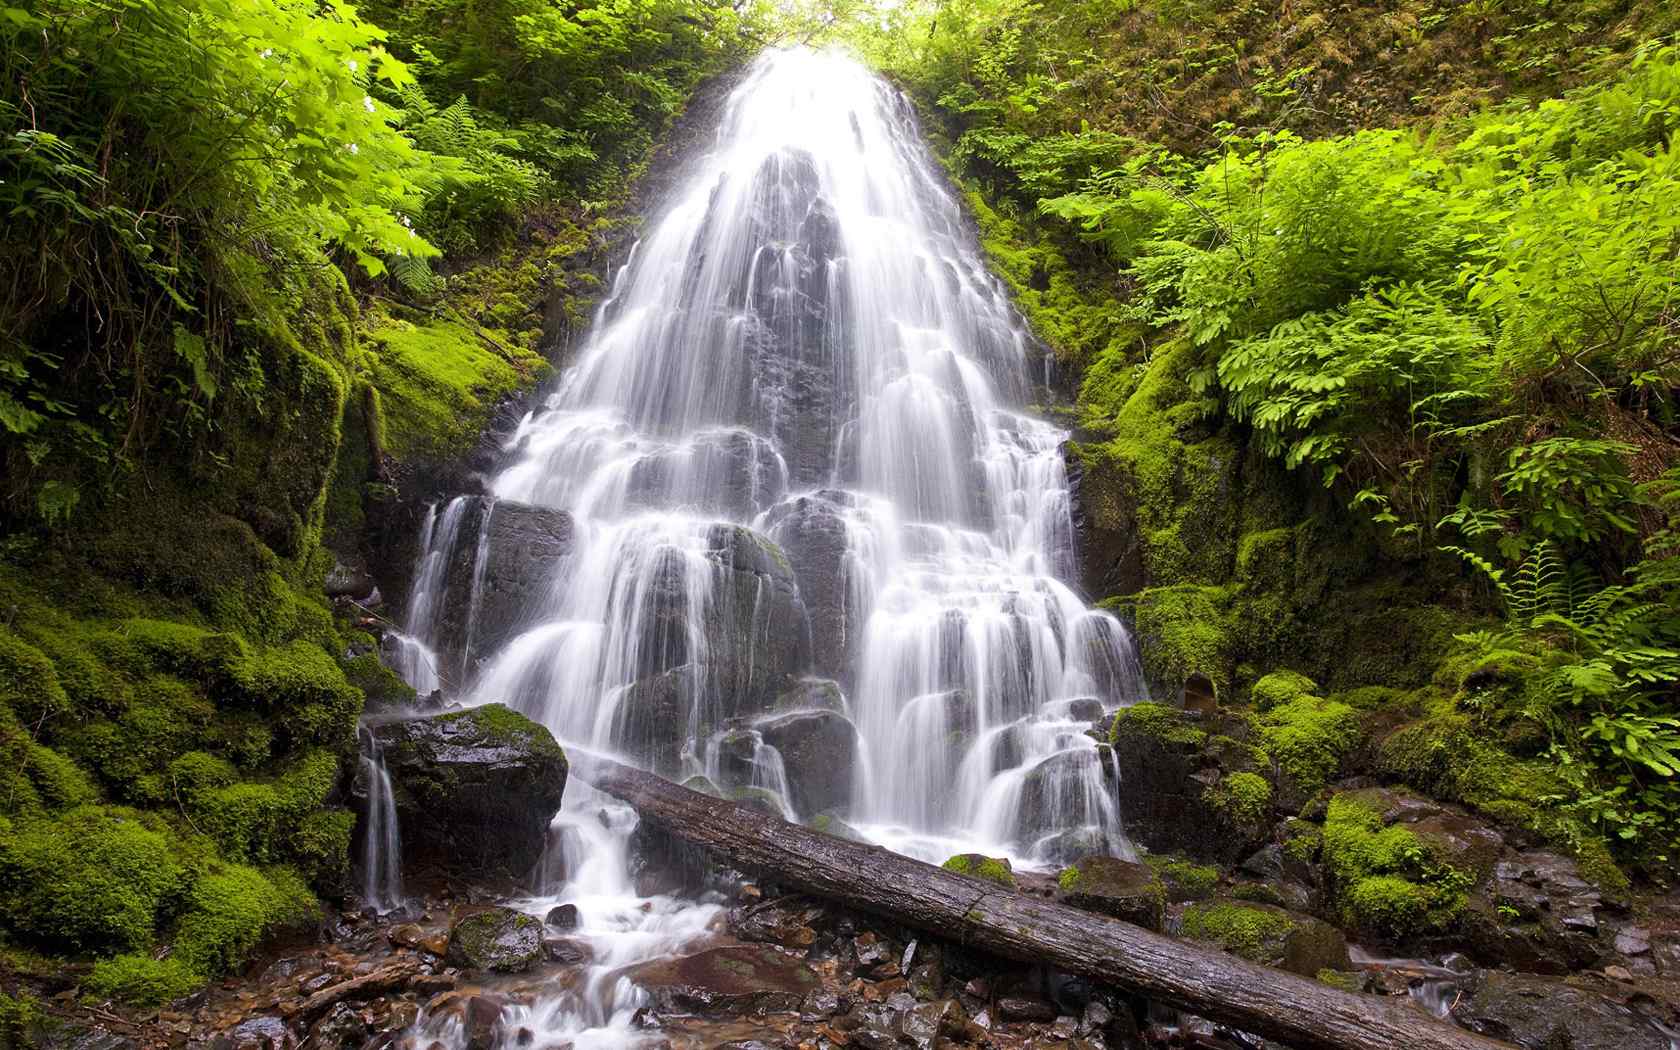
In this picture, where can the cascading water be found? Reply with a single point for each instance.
(381, 860)
(816, 546)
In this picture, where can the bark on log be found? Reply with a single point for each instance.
(1303, 1013)
(392, 978)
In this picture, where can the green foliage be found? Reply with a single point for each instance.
(1308, 737)
(1154, 720)
(20, 1016)
(991, 869)
(229, 910)
(1183, 879)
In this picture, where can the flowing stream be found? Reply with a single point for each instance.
(814, 543)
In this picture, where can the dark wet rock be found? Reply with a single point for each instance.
(728, 472)
(1537, 913)
(929, 1024)
(568, 951)
(257, 1033)
(1541, 1014)
(349, 581)
(504, 561)
(813, 694)
(499, 939)
(475, 789)
(736, 980)
(342, 1026)
(758, 636)
(822, 1004)
(831, 823)
(1025, 1008)
(1168, 759)
(562, 917)
(819, 751)
(1117, 888)
(812, 530)
(1081, 709)
(788, 922)
(654, 706)
(481, 1020)
(1054, 792)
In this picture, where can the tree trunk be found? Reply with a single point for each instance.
(1303, 1013)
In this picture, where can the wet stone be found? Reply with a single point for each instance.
(258, 1033)
(563, 917)
(1025, 1008)
(735, 980)
(499, 939)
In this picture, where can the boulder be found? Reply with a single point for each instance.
(1536, 912)
(498, 939)
(735, 980)
(812, 530)
(819, 752)
(1114, 887)
(1061, 791)
(475, 789)
(728, 472)
(1541, 1014)
(1167, 761)
(758, 637)
(813, 694)
(1268, 934)
(504, 562)
(656, 708)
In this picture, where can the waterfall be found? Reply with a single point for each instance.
(795, 462)
(381, 847)
(415, 655)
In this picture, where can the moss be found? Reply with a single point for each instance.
(992, 869)
(1386, 881)
(29, 685)
(379, 684)
(1154, 720)
(1303, 843)
(439, 381)
(92, 879)
(1341, 979)
(142, 980)
(1182, 631)
(21, 1017)
(1184, 880)
(1253, 933)
(252, 821)
(502, 725)
(1067, 878)
(230, 909)
(304, 690)
(1446, 757)
(1281, 687)
(1308, 738)
(319, 846)
(1244, 799)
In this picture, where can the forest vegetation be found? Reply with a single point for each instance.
(1368, 317)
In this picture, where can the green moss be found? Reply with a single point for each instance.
(252, 821)
(230, 909)
(1253, 933)
(29, 685)
(1341, 979)
(439, 381)
(1182, 631)
(1446, 757)
(1303, 843)
(1184, 880)
(305, 691)
(142, 980)
(991, 869)
(1154, 720)
(1245, 799)
(1386, 881)
(499, 724)
(1281, 687)
(1067, 878)
(379, 684)
(1308, 738)
(93, 879)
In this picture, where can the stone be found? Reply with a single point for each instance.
(1536, 913)
(1054, 792)
(342, 1026)
(258, 1033)
(504, 561)
(926, 1025)
(1117, 888)
(1541, 1014)
(475, 789)
(482, 1021)
(812, 694)
(1025, 1008)
(758, 634)
(735, 980)
(563, 917)
(819, 752)
(728, 472)
(568, 951)
(812, 530)
(1268, 934)
(498, 939)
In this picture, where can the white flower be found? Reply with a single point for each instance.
(352, 64)
(267, 52)
(351, 146)
(367, 103)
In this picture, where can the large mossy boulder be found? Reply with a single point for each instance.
(475, 788)
(498, 939)
(1265, 934)
(1117, 888)
(1190, 782)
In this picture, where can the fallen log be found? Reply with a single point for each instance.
(393, 978)
(1303, 1013)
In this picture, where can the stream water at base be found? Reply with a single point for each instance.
(807, 544)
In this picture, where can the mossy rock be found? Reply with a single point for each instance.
(1184, 880)
(1244, 800)
(1114, 887)
(1387, 882)
(977, 865)
(1281, 687)
(497, 939)
(1308, 738)
(1267, 934)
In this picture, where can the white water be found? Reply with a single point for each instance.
(805, 344)
(382, 885)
